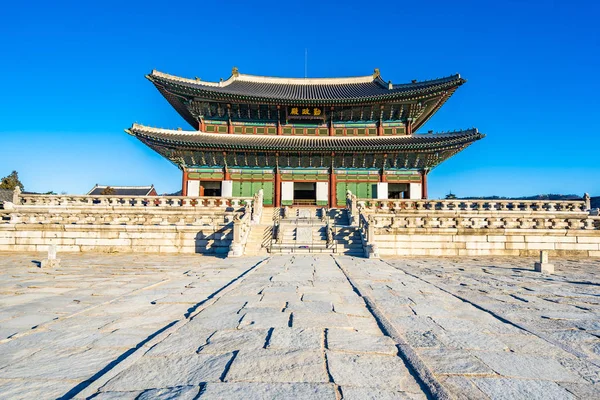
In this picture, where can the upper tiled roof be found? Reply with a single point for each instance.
(123, 190)
(187, 139)
(351, 90)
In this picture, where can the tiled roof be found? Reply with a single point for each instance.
(194, 139)
(123, 190)
(6, 195)
(315, 91)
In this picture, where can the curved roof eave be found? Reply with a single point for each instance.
(273, 143)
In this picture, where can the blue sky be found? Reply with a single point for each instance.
(73, 79)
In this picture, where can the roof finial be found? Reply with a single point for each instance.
(376, 73)
(390, 86)
(235, 72)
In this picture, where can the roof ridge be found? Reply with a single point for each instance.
(236, 76)
(124, 187)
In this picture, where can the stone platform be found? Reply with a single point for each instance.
(309, 327)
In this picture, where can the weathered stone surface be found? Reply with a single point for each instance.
(375, 393)
(356, 342)
(278, 366)
(231, 340)
(320, 320)
(57, 364)
(448, 361)
(527, 366)
(461, 387)
(508, 389)
(18, 389)
(263, 391)
(151, 372)
(265, 320)
(178, 392)
(94, 310)
(304, 234)
(369, 370)
(296, 339)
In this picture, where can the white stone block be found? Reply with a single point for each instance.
(588, 239)
(550, 239)
(543, 265)
(193, 188)
(485, 245)
(322, 191)
(227, 189)
(577, 246)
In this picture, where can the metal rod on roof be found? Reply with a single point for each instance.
(305, 63)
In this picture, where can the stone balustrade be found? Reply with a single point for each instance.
(524, 206)
(112, 216)
(39, 200)
(241, 230)
(497, 220)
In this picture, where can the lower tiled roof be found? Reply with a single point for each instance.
(213, 141)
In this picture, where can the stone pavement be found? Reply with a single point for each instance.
(141, 327)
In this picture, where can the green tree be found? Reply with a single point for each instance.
(450, 196)
(11, 182)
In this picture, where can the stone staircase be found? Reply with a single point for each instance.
(302, 238)
(303, 232)
(260, 236)
(348, 241)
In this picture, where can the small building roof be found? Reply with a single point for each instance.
(124, 190)
(5, 195)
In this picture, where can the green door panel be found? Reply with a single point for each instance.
(247, 189)
(256, 186)
(236, 189)
(340, 193)
(268, 191)
(361, 190)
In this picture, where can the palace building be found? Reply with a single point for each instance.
(305, 141)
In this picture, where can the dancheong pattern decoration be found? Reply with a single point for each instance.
(259, 131)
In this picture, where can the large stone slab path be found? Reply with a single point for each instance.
(307, 327)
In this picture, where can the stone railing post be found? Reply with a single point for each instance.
(352, 207)
(258, 206)
(16, 196)
(586, 199)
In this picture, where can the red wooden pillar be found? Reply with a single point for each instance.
(279, 129)
(424, 184)
(332, 189)
(184, 183)
(380, 124)
(229, 124)
(277, 188)
(409, 127)
(331, 130)
(202, 125)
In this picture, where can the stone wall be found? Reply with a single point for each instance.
(142, 224)
(488, 242)
(117, 238)
(476, 227)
